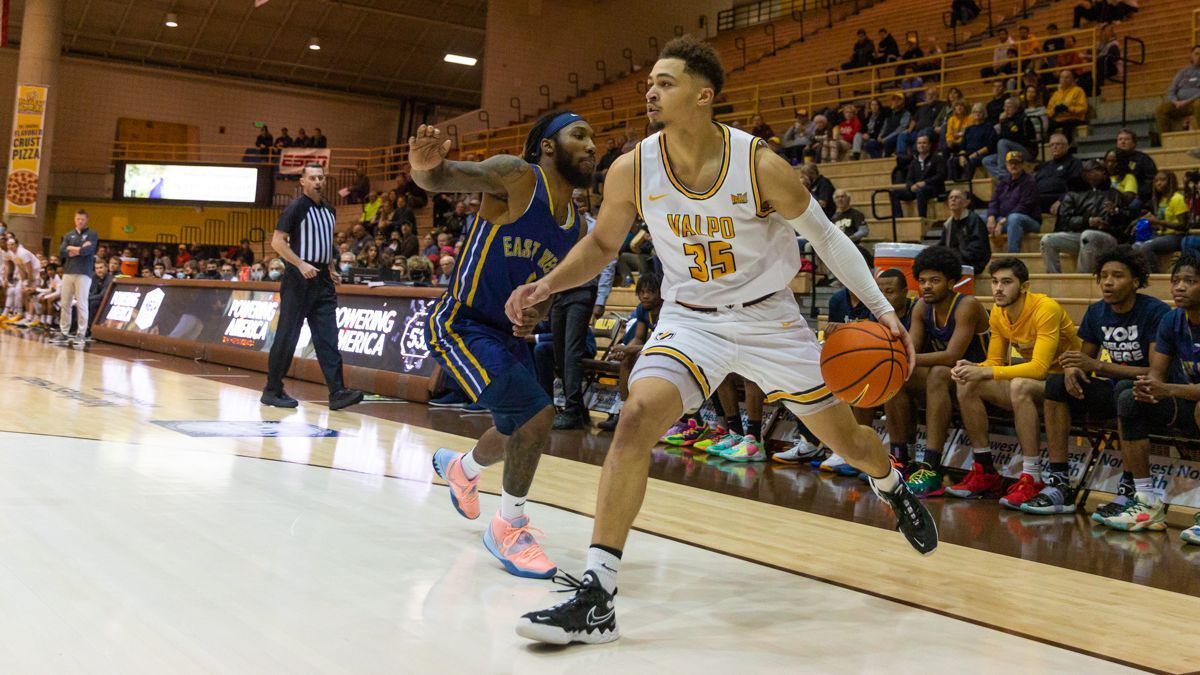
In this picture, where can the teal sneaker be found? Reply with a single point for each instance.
(724, 444)
(926, 482)
(749, 450)
(1192, 534)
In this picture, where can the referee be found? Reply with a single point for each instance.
(304, 239)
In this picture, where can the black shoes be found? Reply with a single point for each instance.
(913, 519)
(589, 616)
(280, 400)
(609, 424)
(566, 420)
(344, 398)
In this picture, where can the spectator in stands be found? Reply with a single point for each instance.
(1014, 208)
(1167, 213)
(849, 220)
(877, 117)
(912, 49)
(228, 272)
(368, 256)
(257, 272)
(1001, 64)
(1013, 134)
(1121, 178)
(428, 245)
(283, 140)
(1067, 108)
(420, 271)
(302, 140)
(925, 180)
(953, 96)
(1028, 46)
(863, 54)
(819, 134)
(760, 128)
(821, 187)
(371, 206)
(455, 221)
(1041, 331)
(846, 137)
(911, 84)
(965, 233)
(643, 320)
(408, 244)
(948, 328)
(99, 288)
(963, 12)
(160, 272)
(1137, 162)
(1109, 66)
(1036, 112)
(611, 154)
(212, 271)
(956, 125)
(886, 48)
(896, 123)
(445, 271)
(402, 214)
(318, 138)
(1102, 11)
(1053, 43)
(978, 141)
(1183, 97)
(923, 122)
(1124, 324)
(265, 141)
(346, 262)
(472, 206)
(995, 106)
(636, 254)
(1058, 175)
(1156, 404)
(244, 255)
(1089, 222)
(182, 256)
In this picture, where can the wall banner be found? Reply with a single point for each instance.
(25, 158)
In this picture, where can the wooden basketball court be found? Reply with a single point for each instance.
(275, 548)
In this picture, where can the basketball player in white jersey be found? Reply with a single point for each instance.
(724, 212)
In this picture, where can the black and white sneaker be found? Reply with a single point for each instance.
(1056, 497)
(912, 518)
(590, 616)
(60, 339)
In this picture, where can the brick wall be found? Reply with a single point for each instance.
(531, 42)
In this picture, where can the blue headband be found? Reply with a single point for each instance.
(556, 125)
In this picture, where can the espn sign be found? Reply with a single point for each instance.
(293, 160)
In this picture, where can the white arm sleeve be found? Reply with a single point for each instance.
(842, 256)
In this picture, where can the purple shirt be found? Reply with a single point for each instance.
(1019, 196)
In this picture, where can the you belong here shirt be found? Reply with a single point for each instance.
(1126, 337)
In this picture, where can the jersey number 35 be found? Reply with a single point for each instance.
(711, 261)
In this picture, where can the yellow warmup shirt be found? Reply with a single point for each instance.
(1040, 335)
(1076, 101)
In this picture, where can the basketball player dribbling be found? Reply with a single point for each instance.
(724, 212)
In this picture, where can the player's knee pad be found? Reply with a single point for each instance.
(1056, 388)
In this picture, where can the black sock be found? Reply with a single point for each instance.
(754, 428)
(1060, 469)
(984, 459)
(609, 550)
(900, 452)
(933, 458)
(734, 424)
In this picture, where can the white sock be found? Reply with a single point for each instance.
(605, 566)
(1144, 485)
(511, 506)
(888, 483)
(470, 467)
(1033, 467)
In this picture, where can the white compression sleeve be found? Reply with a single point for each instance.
(841, 256)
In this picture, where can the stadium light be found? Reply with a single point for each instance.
(314, 44)
(172, 20)
(461, 60)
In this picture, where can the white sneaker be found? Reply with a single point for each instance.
(832, 462)
(800, 452)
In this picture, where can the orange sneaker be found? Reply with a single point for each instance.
(515, 545)
(1025, 489)
(464, 492)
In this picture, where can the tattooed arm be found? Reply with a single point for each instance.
(502, 176)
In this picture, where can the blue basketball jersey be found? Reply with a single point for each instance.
(939, 336)
(497, 258)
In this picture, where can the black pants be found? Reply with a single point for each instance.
(570, 315)
(313, 300)
(922, 195)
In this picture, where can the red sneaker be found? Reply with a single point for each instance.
(1023, 490)
(978, 484)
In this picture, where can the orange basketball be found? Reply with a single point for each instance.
(863, 364)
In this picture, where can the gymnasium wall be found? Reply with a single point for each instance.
(93, 95)
(534, 42)
(122, 221)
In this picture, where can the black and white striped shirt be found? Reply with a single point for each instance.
(309, 226)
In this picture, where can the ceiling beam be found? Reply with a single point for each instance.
(404, 15)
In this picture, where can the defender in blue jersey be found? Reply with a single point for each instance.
(525, 226)
(1124, 324)
(946, 326)
(1163, 402)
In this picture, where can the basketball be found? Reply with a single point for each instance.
(864, 364)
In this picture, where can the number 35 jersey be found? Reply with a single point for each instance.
(723, 246)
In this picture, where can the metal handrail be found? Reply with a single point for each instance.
(1128, 62)
(875, 211)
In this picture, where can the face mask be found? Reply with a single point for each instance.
(345, 267)
(256, 275)
(274, 275)
(230, 277)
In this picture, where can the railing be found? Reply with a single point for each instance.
(891, 212)
(1125, 69)
(754, 13)
(777, 101)
(1196, 26)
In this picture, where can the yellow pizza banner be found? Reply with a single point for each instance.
(25, 157)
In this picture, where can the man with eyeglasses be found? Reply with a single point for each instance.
(1057, 176)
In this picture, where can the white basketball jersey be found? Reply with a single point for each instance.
(722, 246)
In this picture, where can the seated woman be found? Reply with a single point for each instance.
(956, 125)
(978, 141)
(1122, 178)
(1167, 213)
